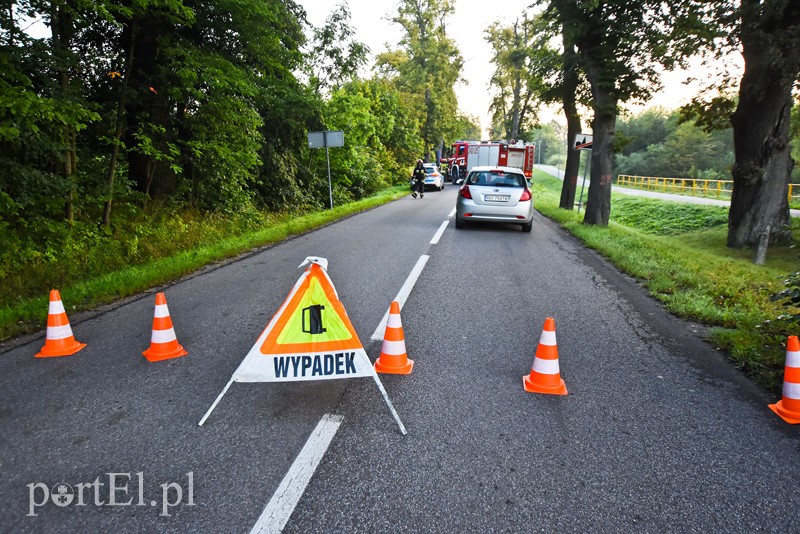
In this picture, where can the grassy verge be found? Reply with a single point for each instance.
(678, 252)
(25, 314)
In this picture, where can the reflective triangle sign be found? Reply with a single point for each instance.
(309, 338)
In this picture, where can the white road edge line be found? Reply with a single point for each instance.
(280, 507)
(402, 295)
(451, 213)
(439, 232)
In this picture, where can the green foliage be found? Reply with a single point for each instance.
(711, 115)
(335, 55)
(517, 50)
(91, 267)
(189, 119)
(790, 298)
(426, 68)
(655, 143)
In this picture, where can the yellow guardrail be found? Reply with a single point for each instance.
(691, 186)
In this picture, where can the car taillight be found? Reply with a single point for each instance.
(526, 195)
(465, 192)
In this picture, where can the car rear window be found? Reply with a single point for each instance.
(496, 179)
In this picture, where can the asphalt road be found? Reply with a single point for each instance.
(658, 433)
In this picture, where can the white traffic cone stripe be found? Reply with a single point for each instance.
(56, 307)
(545, 367)
(58, 332)
(394, 321)
(161, 311)
(393, 348)
(547, 338)
(791, 391)
(163, 336)
(792, 359)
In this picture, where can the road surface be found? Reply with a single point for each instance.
(658, 433)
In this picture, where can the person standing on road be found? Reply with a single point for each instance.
(419, 180)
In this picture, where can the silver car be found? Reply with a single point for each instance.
(495, 194)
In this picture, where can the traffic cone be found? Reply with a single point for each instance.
(788, 408)
(393, 359)
(59, 340)
(545, 376)
(163, 343)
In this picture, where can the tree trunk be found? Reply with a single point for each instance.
(598, 203)
(119, 127)
(61, 28)
(763, 164)
(569, 90)
(573, 163)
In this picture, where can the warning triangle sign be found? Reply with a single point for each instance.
(309, 338)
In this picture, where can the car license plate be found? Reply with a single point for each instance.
(497, 198)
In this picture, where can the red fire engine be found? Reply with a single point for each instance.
(467, 154)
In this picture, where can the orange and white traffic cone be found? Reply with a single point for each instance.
(788, 408)
(393, 359)
(545, 376)
(163, 342)
(59, 340)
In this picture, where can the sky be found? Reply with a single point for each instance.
(467, 27)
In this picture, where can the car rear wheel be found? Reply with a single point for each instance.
(459, 224)
(527, 227)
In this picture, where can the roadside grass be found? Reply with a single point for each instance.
(168, 252)
(678, 253)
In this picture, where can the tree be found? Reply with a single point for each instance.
(513, 52)
(427, 66)
(620, 43)
(335, 55)
(766, 33)
(769, 33)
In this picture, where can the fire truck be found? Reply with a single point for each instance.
(463, 155)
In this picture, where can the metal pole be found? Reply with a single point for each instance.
(585, 166)
(219, 398)
(328, 157)
(389, 404)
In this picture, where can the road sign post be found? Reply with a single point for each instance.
(583, 142)
(327, 139)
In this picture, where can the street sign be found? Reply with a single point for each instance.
(326, 139)
(582, 142)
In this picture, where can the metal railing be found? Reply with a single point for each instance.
(692, 186)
